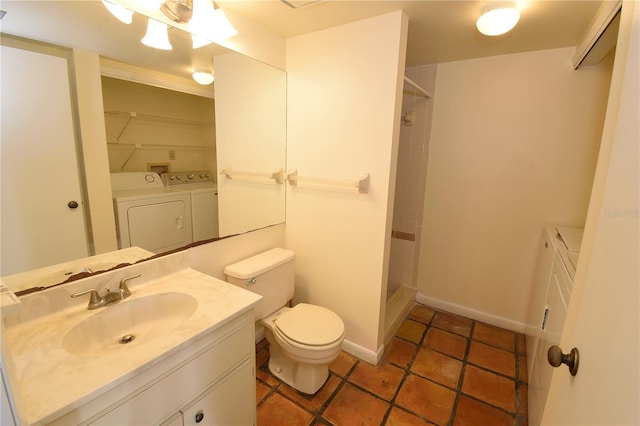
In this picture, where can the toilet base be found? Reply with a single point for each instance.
(306, 378)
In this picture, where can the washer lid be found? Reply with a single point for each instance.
(311, 325)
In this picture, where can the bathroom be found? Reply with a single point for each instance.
(478, 229)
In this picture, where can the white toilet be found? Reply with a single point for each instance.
(303, 339)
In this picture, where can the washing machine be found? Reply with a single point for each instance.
(204, 200)
(148, 215)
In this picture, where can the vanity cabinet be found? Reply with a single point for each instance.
(214, 384)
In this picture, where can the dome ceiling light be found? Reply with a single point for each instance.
(498, 18)
(202, 77)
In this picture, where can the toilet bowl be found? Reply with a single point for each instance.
(303, 340)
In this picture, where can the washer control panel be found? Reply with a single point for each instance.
(183, 178)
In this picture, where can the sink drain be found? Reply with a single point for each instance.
(127, 338)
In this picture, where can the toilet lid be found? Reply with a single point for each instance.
(310, 325)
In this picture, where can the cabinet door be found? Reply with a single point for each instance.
(232, 401)
(541, 379)
(538, 298)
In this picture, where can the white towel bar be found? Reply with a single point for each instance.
(360, 185)
(277, 176)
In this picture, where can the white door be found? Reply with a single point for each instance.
(39, 169)
(603, 318)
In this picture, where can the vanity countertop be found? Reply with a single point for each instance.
(52, 381)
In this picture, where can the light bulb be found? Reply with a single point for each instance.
(123, 14)
(209, 22)
(156, 35)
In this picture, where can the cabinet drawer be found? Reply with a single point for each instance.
(168, 395)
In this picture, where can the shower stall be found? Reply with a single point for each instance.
(411, 178)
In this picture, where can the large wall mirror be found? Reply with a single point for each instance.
(234, 129)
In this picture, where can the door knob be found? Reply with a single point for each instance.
(557, 358)
(72, 204)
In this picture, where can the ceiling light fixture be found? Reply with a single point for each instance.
(498, 18)
(156, 35)
(203, 77)
(123, 14)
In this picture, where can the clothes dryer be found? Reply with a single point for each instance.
(148, 215)
(204, 200)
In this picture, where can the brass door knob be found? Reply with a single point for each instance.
(557, 358)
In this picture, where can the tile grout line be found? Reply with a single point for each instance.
(518, 414)
(465, 361)
(407, 372)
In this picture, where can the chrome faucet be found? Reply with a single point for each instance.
(111, 296)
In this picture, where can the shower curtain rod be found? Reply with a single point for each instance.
(421, 91)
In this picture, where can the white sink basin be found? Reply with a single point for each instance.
(129, 323)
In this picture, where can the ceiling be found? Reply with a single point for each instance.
(439, 31)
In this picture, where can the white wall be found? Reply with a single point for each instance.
(513, 147)
(212, 258)
(251, 130)
(343, 106)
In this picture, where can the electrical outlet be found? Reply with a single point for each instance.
(172, 154)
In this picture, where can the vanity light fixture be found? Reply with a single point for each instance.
(210, 22)
(178, 10)
(203, 77)
(150, 5)
(221, 27)
(156, 35)
(123, 14)
(199, 41)
(498, 18)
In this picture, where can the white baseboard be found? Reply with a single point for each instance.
(501, 322)
(363, 353)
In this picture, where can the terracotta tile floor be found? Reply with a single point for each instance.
(439, 369)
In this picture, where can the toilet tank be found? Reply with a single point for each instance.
(269, 274)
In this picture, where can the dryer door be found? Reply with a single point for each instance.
(161, 226)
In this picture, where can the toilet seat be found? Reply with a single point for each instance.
(310, 325)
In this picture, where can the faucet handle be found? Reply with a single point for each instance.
(123, 284)
(95, 301)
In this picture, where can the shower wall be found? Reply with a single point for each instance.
(411, 176)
